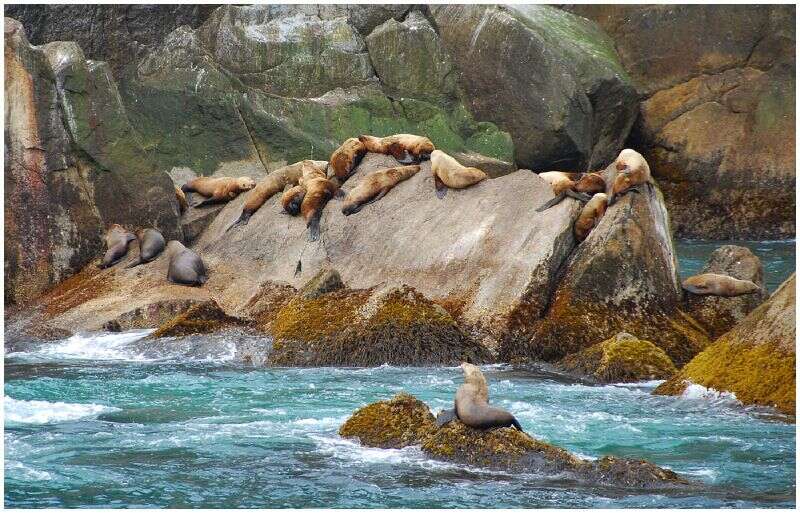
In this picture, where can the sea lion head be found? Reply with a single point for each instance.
(245, 183)
(632, 169)
(590, 183)
(173, 248)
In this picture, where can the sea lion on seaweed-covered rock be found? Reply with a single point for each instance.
(345, 159)
(151, 244)
(448, 172)
(117, 240)
(630, 170)
(292, 199)
(405, 148)
(219, 189)
(374, 186)
(472, 404)
(318, 192)
(274, 183)
(185, 266)
(590, 215)
(712, 284)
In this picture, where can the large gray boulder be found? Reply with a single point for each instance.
(548, 77)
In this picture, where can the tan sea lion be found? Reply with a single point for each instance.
(345, 159)
(220, 189)
(318, 192)
(448, 172)
(151, 244)
(718, 285)
(274, 183)
(117, 239)
(590, 215)
(181, 197)
(185, 266)
(629, 171)
(374, 186)
(405, 148)
(472, 403)
(575, 185)
(292, 199)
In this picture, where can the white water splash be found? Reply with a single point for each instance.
(699, 392)
(96, 346)
(44, 412)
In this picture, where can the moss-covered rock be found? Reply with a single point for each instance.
(404, 421)
(755, 360)
(620, 359)
(206, 317)
(362, 328)
(399, 422)
(325, 281)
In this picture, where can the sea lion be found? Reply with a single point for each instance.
(345, 159)
(405, 148)
(151, 244)
(448, 172)
(117, 239)
(318, 192)
(718, 285)
(629, 171)
(590, 215)
(472, 404)
(578, 186)
(374, 186)
(292, 199)
(185, 266)
(181, 197)
(272, 184)
(217, 190)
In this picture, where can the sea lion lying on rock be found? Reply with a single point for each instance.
(630, 170)
(718, 285)
(292, 199)
(405, 148)
(151, 244)
(185, 266)
(272, 184)
(472, 404)
(345, 159)
(374, 186)
(449, 173)
(590, 215)
(567, 184)
(217, 190)
(318, 192)
(117, 239)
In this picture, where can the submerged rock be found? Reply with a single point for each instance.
(621, 359)
(755, 360)
(404, 421)
(719, 314)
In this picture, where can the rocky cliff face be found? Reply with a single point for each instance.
(717, 118)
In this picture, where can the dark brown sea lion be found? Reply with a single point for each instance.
(220, 189)
(630, 170)
(405, 148)
(151, 244)
(272, 184)
(718, 285)
(185, 266)
(374, 186)
(472, 404)
(117, 240)
(590, 215)
(345, 159)
(449, 173)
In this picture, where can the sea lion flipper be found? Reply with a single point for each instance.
(580, 196)
(555, 201)
(515, 423)
(206, 202)
(243, 220)
(446, 416)
(313, 227)
(441, 188)
(339, 194)
(378, 196)
(136, 262)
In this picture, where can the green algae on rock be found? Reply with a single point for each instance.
(399, 422)
(620, 359)
(755, 360)
(202, 318)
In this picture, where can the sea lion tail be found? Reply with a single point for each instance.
(515, 423)
(446, 416)
(243, 219)
(202, 279)
(552, 202)
(136, 262)
(313, 228)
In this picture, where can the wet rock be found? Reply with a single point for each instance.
(719, 314)
(623, 277)
(205, 317)
(621, 359)
(577, 111)
(755, 360)
(404, 421)
(717, 122)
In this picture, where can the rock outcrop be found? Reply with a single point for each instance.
(404, 421)
(622, 277)
(719, 314)
(65, 179)
(755, 360)
(621, 359)
(717, 121)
